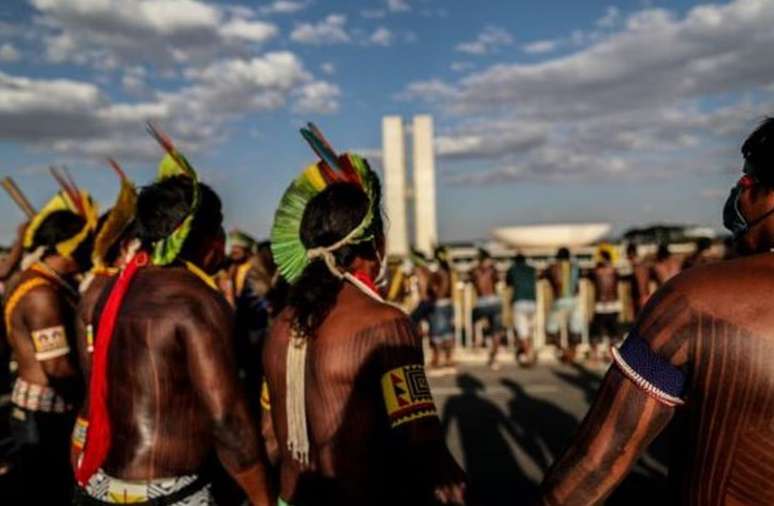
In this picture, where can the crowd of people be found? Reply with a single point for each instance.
(506, 299)
(152, 369)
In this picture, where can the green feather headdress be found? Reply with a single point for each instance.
(174, 164)
(290, 254)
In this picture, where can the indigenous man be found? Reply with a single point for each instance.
(39, 316)
(607, 307)
(489, 306)
(246, 290)
(521, 278)
(351, 406)
(163, 390)
(666, 266)
(564, 318)
(442, 317)
(640, 279)
(704, 346)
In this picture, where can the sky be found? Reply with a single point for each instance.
(545, 112)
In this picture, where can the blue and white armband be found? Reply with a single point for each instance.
(649, 371)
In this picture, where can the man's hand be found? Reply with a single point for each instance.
(451, 483)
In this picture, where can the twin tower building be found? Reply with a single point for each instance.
(399, 194)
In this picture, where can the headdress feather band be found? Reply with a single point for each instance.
(72, 199)
(119, 218)
(166, 250)
(290, 254)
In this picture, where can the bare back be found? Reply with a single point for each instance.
(606, 283)
(356, 458)
(173, 392)
(485, 280)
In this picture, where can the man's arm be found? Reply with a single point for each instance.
(45, 318)
(630, 409)
(412, 413)
(208, 339)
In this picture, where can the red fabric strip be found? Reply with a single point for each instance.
(367, 281)
(99, 433)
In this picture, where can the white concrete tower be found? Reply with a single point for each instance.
(425, 220)
(394, 163)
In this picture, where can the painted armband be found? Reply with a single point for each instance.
(79, 433)
(50, 343)
(407, 394)
(649, 371)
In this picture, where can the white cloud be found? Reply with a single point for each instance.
(331, 30)
(540, 47)
(133, 80)
(398, 6)
(319, 97)
(252, 31)
(284, 7)
(461, 66)
(381, 37)
(328, 68)
(162, 32)
(637, 101)
(373, 13)
(8, 53)
(611, 17)
(487, 41)
(78, 119)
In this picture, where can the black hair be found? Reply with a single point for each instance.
(483, 254)
(162, 207)
(329, 217)
(563, 254)
(605, 255)
(758, 150)
(441, 255)
(60, 226)
(57, 227)
(631, 249)
(703, 244)
(519, 259)
(663, 252)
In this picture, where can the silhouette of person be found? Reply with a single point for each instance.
(494, 474)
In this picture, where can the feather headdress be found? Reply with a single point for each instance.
(119, 218)
(69, 198)
(290, 254)
(174, 164)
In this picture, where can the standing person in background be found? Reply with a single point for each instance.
(442, 319)
(522, 279)
(423, 279)
(640, 279)
(565, 322)
(40, 320)
(666, 266)
(489, 305)
(607, 307)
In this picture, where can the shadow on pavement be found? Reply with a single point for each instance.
(495, 475)
(542, 430)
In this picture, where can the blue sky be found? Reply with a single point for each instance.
(627, 112)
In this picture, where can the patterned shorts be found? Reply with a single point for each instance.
(116, 491)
